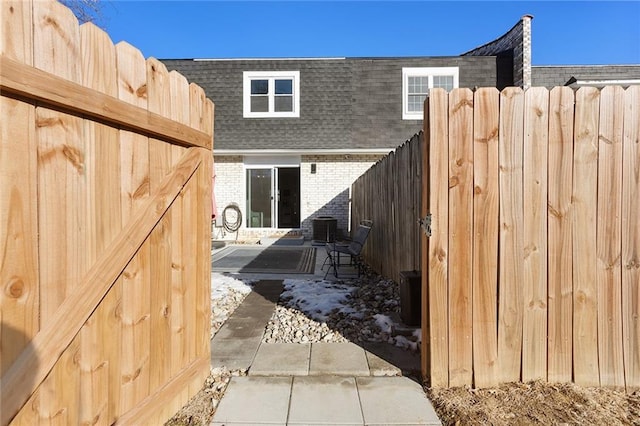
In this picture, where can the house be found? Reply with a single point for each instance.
(291, 135)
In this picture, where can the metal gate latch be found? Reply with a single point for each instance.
(425, 224)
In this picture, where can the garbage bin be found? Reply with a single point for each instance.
(324, 229)
(410, 297)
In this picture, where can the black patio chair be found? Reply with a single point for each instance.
(352, 248)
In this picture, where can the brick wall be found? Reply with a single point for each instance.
(518, 41)
(324, 193)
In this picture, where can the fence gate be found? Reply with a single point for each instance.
(534, 258)
(105, 210)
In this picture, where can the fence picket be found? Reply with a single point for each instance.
(19, 319)
(485, 228)
(135, 283)
(438, 273)
(631, 239)
(560, 251)
(510, 303)
(536, 119)
(160, 256)
(103, 176)
(63, 199)
(585, 202)
(201, 117)
(609, 237)
(460, 237)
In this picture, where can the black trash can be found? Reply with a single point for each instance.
(411, 297)
(324, 229)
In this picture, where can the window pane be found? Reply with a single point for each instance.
(443, 81)
(418, 84)
(259, 104)
(284, 103)
(284, 87)
(259, 184)
(415, 103)
(259, 87)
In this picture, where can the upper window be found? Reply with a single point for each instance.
(416, 83)
(271, 94)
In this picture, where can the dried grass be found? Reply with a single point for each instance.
(535, 403)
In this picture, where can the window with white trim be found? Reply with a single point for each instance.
(271, 94)
(416, 83)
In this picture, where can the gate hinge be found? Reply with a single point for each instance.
(425, 224)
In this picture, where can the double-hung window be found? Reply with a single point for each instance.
(416, 83)
(271, 94)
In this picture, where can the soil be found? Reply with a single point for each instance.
(535, 403)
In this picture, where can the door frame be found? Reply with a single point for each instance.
(274, 163)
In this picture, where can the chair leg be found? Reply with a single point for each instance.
(332, 264)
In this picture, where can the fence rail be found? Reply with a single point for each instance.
(105, 207)
(533, 267)
(389, 194)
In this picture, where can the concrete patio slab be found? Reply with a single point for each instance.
(324, 400)
(340, 359)
(394, 401)
(281, 359)
(234, 353)
(255, 400)
(240, 329)
(381, 355)
(380, 367)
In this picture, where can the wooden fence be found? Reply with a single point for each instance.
(105, 209)
(534, 261)
(389, 194)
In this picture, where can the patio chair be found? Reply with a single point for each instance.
(353, 249)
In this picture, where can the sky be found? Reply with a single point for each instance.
(563, 33)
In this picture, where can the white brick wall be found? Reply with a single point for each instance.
(325, 193)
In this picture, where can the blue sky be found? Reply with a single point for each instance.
(572, 32)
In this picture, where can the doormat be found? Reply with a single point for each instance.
(269, 260)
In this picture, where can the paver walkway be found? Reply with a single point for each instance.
(311, 384)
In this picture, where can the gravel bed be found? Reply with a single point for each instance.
(363, 314)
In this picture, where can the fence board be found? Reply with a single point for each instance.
(63, 196)
(202, 118)
(460, 236)
(609, 237)
(425, 200)
(560, 252)
(18, 199)
(438, 242)
(536, 122)
(160, 158)
(104, 223)
(485, 248)
(180, 265)
(631, 239)
(136, 278)
(510, 303)
(585, 202)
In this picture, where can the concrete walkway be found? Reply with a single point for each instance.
(314, 383)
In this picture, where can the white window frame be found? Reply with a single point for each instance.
(423, 72)
(271, 76)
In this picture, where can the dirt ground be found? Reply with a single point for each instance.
(533, 403)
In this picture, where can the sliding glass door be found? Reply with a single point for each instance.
(273, 197)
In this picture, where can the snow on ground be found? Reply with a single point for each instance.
(222, 286)
(318, 299)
